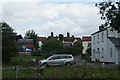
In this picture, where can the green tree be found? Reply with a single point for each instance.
(76, 49)
(9, 45)
(31, 34)
(110, 12)
(87, 56)
(52, 46)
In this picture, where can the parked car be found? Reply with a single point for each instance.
(58, 59)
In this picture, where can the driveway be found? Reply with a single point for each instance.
(96, 64)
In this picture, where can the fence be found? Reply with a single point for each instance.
(17, 68)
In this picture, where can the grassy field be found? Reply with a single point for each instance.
(56, 72)
(64, 72)
(22, 60)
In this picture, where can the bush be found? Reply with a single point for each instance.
(36, 53)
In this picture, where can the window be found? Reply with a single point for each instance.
(61, 57)
(98, 50)
(111, 52)
(93, 39)
(102, 52)
(98, 38)
(102, 37)
(68, 56)
(55, 57)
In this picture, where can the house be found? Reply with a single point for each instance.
(40, 41)
(86, 42)
(106, 46)
(67, 41)
(25, 44)
(19, 37)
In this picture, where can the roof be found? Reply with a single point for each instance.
(55, 37)
(115, 41)
(79, 39)
(100, 31)
(71, 39)
(30, 41)
(18, 37)
(41, 38)
(86, 38)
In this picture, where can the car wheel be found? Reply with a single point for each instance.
(68, 64)
(45, 65)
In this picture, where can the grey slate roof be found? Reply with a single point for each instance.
(30, 41)
(115, 41)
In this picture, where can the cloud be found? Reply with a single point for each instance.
(77, 18)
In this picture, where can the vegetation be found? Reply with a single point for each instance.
(110, 12)
(86, 57)
(68, 71)
(76, 49)
(22, 60)
(31, 34)
(9, 45)
(81, 71)
(52, 46)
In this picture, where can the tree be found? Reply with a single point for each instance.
(31, 34)
(9, 45)
(88, 55)
(52, 46)
(76, 49)
(110, 12)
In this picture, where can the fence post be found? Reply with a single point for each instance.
(103, 65)
(40, 70)
(17, 71)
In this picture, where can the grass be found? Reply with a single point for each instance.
(56, 72)
(65, 72)
(22, 60)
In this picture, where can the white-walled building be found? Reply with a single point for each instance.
(40, 41)
(106, 46)
(86, 42)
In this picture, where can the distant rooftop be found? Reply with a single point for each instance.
(26, 41)
(86, 38)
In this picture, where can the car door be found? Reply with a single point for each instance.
(61, 60)
(53, 60)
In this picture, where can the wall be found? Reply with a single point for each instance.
(85, 46)
(101, 44)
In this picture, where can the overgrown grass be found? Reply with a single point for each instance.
(22, 60)
(56, 72)
(80, 72)
(65, 72)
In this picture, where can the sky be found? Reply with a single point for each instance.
(78, 17)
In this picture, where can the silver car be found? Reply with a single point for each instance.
(58, 59)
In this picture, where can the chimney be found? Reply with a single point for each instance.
(73, 36)
(101, 27)
(61, 37)
(68, 34)
(51, 34)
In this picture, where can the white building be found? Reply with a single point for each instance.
(106, 46)
(86, 42)
(40, 41)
